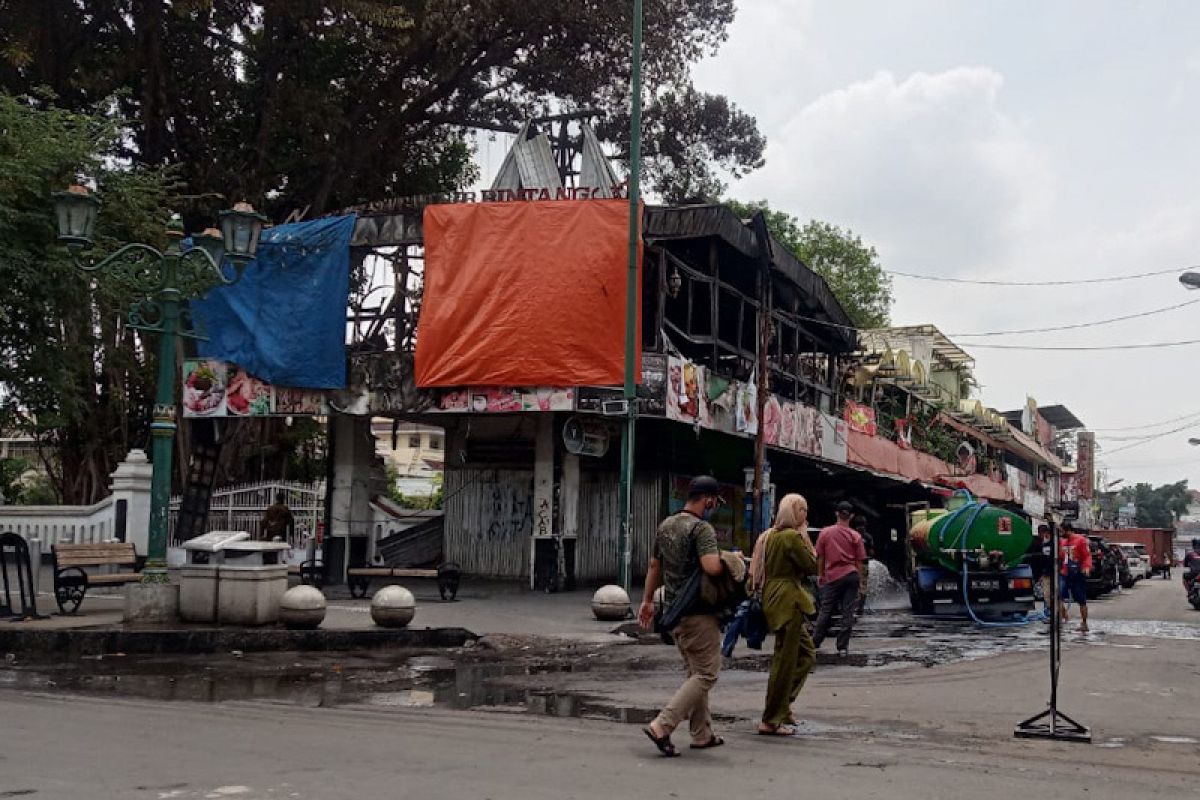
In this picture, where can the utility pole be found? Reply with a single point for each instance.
(762, 384)
(632, 346)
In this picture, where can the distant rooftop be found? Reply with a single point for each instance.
(943, 349)
(1058, 416)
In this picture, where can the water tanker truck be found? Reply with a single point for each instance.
(967, 560)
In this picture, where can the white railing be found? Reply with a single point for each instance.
(241, 508)
(60, 524)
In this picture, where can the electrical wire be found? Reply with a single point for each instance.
(1193, 415)
(1109, 279)
(1078, 325)
(1148, 439)
(1070, 348)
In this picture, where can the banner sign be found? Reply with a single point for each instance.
(214, 389)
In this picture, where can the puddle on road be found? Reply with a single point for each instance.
(328, 679)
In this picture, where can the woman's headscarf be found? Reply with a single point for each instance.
(793, 514)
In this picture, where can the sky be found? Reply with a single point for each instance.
(1001, 140)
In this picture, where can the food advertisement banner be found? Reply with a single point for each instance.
(696, 396)
(505, 400)
(213, 388)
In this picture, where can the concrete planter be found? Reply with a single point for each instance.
(302, 608)
(250, 595)
(151, 603)
(198, 593)
(393, 607)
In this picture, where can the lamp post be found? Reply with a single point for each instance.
(632, 346)
(162, 281)
(1190, 279)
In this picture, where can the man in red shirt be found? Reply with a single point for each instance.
(840, 558)
(1075, 555)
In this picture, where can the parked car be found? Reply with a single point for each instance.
(1124, 572)
(1139, 562)
(1105, 573)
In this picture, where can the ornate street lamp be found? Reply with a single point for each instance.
(163, 281)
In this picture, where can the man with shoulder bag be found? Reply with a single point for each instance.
(685, 549)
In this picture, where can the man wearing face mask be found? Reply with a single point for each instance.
(684, 543)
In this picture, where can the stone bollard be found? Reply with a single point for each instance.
(393, 607)
(611, 604)
(302, 608)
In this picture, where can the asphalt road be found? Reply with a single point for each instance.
(72, 748)
(928, 733)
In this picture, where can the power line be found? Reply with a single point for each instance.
(1076, 326)
(1148, 439)
(1193, 415)
(1143, 346)
(1109, 279)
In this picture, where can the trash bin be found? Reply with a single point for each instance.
(198, 578)
(251, 582)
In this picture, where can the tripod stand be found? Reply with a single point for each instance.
(1052, 723)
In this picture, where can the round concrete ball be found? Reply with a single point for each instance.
(610, 603)
(302, 607)
(393, 607)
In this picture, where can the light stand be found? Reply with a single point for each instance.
(1052, 723)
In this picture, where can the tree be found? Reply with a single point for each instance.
(317, 104)
(1158, 506)
(72, 375)
(851, 268)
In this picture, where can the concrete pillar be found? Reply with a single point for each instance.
(131, 491)
(358, 475)
(543, 487)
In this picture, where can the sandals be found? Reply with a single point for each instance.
(663, 743)
(776, 730)
(715, 741)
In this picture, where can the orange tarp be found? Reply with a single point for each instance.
(525, 294)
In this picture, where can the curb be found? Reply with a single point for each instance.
(78, 643)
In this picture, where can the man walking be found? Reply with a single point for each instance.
(1041, 562)
(840, 556)
(1076, 559)
(859, 523)
(685, 543)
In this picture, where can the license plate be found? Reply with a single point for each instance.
(985, 584)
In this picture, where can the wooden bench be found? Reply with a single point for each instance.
(448, 575)
(71, 580)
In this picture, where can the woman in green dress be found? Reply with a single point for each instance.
(784, 557)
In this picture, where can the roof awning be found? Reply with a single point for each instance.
(664, 223)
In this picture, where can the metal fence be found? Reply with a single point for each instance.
(241, 508)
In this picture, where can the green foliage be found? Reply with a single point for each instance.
(419, 503)
(70, 372)
(1158, 506)
(851, 268)
(325, 104)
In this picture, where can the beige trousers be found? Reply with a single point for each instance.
(698, 638)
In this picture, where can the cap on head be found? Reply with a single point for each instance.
(844, 509)
(703, 486)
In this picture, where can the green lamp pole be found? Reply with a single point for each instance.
(632, 346)
(163, 280)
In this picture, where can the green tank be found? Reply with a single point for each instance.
(993, 539)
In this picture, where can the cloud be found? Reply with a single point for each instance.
(930, 169)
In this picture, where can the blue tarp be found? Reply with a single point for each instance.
(285, 320)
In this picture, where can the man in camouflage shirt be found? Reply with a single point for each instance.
(685, 542)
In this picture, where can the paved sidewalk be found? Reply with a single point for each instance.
(484, 608)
